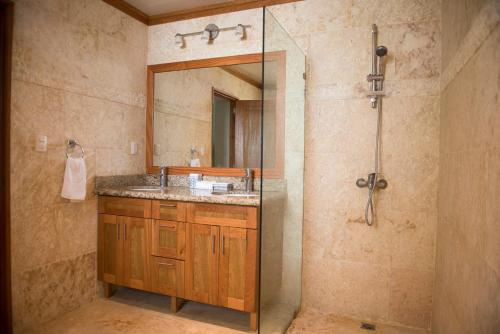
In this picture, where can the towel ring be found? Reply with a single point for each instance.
(71, 145)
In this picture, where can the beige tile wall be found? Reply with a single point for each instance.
(385, 272)
(78, 72)
(467, 284)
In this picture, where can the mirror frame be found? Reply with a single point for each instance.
(273, 173)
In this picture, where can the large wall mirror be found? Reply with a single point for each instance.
(205, 115)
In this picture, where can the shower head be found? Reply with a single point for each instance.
(381, 51)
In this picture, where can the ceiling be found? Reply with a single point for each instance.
(253, 73)
(157, 7)
(151, 12)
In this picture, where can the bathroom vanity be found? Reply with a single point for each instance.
(202, 117)
(192, 249)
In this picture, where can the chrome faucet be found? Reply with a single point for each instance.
(163, 177)
(248, 179)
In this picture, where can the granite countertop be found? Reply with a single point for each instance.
(183, 194)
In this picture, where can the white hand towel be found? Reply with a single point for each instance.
(75, 179)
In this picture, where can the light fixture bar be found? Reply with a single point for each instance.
(213, 26)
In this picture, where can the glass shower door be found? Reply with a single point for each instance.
(282, 178)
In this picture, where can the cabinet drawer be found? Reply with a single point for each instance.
(120, 206)
(169, 210)
(167, 276)
(222, 215)
(168, 239)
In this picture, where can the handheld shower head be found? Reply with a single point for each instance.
(381, 51)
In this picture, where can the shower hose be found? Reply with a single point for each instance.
(369, 211)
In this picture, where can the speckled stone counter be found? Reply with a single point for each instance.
(122, 186)
(180, 194)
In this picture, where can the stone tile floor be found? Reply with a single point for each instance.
(136, 312)
(309, 322)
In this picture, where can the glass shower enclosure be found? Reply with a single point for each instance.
(282, 177)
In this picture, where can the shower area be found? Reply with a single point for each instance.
(282, 178)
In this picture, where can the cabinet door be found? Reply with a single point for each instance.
(201, 263)
(168, 239)
(136, 253)
(167, 276)
(110, 244)
(237, 268)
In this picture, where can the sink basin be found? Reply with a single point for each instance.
(235, 194)
(145, 188)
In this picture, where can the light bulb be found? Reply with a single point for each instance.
(205, 35)
(240, 31)
(179, 41)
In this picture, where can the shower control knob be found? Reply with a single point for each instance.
(361, 183)
(382, 184)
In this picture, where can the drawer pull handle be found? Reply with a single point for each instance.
(168, 226)
(213, 244)
(117, 231)
(223, 243)
(168, 264)
(168, 205)
(124, 232)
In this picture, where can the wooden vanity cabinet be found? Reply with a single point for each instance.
(238, 268)
(122, 251)
(167, 276)
(168, 239)
(169, 210)
(136, 238)
(110, 249)
(202, 263)
(197, 251)
(126, 207)
(221, 256)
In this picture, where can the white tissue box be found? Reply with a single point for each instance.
(207, 185)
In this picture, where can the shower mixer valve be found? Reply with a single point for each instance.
(370, 183)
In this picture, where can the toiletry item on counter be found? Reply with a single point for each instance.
(207, 185)
(222, 187)
(215, 186)
(193, 178)
(75, 179)
(194, 163)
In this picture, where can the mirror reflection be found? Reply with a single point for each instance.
(208, 117)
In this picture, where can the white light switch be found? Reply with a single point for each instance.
(156, 149)
(41, 143)
(133, 148)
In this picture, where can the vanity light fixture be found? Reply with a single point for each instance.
(210, 33)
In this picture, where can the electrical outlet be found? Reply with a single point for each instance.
(133, 148)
